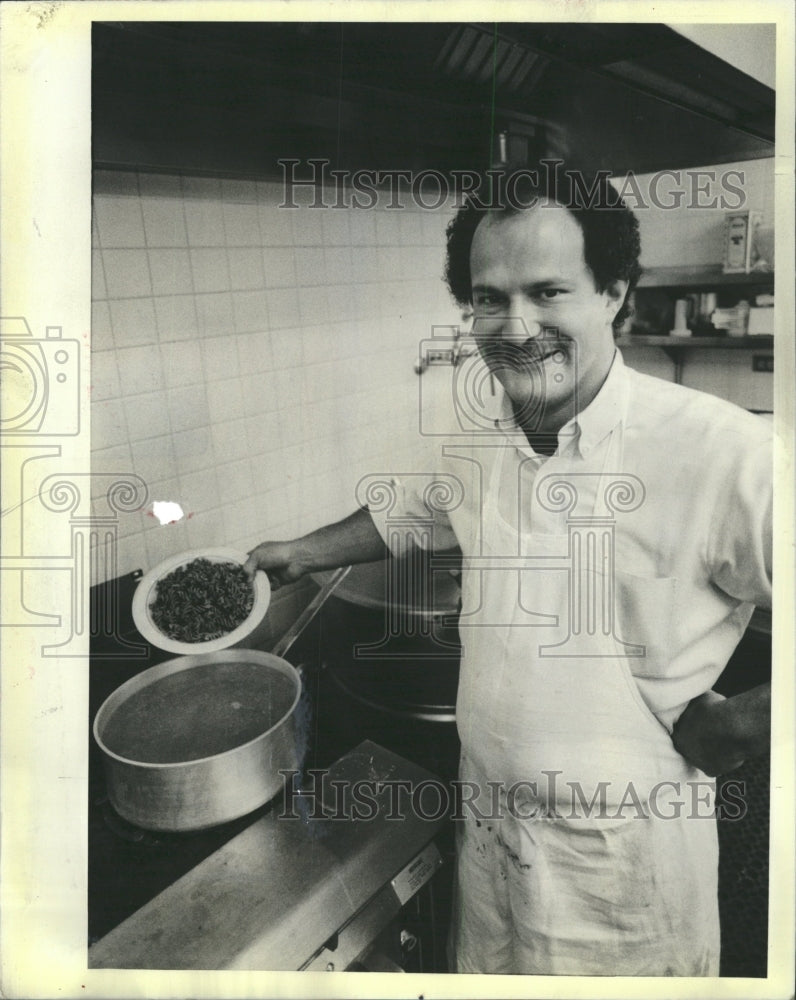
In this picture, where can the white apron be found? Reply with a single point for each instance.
(547, 884)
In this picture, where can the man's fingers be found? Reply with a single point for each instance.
(273, 559)
(251, 566)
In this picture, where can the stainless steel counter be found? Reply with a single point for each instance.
(287, 887)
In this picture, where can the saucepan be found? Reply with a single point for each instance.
(200, 740)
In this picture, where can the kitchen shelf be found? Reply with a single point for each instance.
(655, 298)
(668, 343)
(675, 346)
(698, 277)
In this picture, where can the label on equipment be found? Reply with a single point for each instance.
(416, 873)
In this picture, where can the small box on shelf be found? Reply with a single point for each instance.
(739, 241)
(761, 321)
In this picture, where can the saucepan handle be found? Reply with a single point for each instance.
(283, 645)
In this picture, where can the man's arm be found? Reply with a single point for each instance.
(718, 734)
(352, 540)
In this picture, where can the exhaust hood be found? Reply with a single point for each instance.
(235, 97)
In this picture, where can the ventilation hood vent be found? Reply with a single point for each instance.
(475, 54)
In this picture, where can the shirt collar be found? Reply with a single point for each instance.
(589, 427)
(606, 410)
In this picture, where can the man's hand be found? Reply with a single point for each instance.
(717, 734)
(279, 560)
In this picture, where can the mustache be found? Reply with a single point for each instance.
(532, 352)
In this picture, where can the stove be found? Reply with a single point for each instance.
(328, 890)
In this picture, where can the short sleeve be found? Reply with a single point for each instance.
(410, 517)
(740, 551)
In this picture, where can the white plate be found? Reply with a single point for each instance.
(146, 591)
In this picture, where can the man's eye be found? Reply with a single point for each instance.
(550, 293)
(487, 301)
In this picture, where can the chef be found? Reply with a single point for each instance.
(616, 535)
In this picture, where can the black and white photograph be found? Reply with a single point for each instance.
(390, 507)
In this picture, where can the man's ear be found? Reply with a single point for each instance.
(615, 292)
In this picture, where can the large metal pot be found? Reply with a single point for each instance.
(411, 587)
(199, 740)
(391, 641)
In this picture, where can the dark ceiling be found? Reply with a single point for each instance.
(235, 96)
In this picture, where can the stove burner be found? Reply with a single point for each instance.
(127, 831)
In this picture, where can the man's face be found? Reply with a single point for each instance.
(539, 322)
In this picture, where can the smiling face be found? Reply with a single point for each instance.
(540, 323)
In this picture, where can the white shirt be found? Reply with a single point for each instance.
(691, 560)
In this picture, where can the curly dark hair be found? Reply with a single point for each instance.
(611, 240)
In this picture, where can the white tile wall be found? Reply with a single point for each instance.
(252, 362)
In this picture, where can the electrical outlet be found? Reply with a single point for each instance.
(762, 362)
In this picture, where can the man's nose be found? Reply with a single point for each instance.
(519, 326)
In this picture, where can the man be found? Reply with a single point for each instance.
(616, 534)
